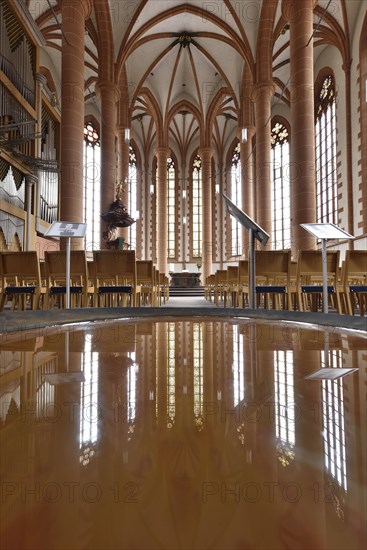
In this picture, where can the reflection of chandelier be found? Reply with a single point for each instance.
(285, 453)
(87, 454)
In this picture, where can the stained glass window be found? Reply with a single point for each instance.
(280, 194)
(92, 187)
(326, 169)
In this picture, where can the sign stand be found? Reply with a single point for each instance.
(255, 232)
(69, 230)
(324, 232)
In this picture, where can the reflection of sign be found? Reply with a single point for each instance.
(246, 221)
(329, 374)
(326, 231)
(66, 229)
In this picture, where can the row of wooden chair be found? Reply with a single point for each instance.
(294, 285)
(113, 278)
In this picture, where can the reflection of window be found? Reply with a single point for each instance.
(198, 373)
(238, 367)
(284, 406)
(236, 197)
(280, 187)
(171, 375)
(326, 169)
(333, 421)
(171, 208)
(132, 193)
(131, 393)
(92, 187)
(89, 410)
(196, 207)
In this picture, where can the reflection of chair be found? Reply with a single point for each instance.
(55, 270)
(115, 277)
(145, 273)
(21, 279)
(309, 279)
(354, 281)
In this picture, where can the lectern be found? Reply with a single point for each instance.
(255, 232)
(325, 231)
(69, 230)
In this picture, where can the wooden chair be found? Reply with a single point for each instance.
(220, 284)
(163, 288)
(243, 271)
(354, 282)
(115, 279)
(55, 271)
(21, 279)
(145, 273)
(232, 289)
(209, 287)
(309, 280)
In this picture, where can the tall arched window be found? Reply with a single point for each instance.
(92, 187)
(196, 207)
(280, 194)
(171, 207)
(132, 197)
(236, 197)
(326, 170)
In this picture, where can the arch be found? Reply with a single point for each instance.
(50, 81)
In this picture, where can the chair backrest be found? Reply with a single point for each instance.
(145, 272)
(273, 264)
(243, 266)
(232, 274)
(355, 266)
(118, 266)
(310, 265)
(20, 268)
(221, 277)
(55, 267)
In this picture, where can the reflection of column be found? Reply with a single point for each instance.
(208, 381)
(302, 168)
(30, 180)
(108, 93)
(72, 110)
(162, 229)
(161, 375)
(247, 176)
(207, 242)
(123, 173)
(263, 94)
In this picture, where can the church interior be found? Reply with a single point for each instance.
(183, 274)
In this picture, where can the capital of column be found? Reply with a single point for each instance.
(262, 89)
(161, 151)
(204, 151)
(104, 87)
(30, 180)
(291, 8)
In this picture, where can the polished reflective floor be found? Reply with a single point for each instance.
(183, 435)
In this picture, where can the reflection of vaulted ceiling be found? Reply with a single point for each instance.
(186, 63)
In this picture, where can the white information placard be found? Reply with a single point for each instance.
(66, 229)
(326, 231)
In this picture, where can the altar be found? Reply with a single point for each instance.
(184, 279)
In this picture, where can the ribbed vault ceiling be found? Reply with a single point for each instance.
(185, 63)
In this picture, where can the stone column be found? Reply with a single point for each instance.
(109, 94)
(30, 180)
(123, 172)
(206, 197)
(302, 145)
(247, 176)
(74, 14)
(263, 94)
(162, 235)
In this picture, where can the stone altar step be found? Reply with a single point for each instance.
(186, 291)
